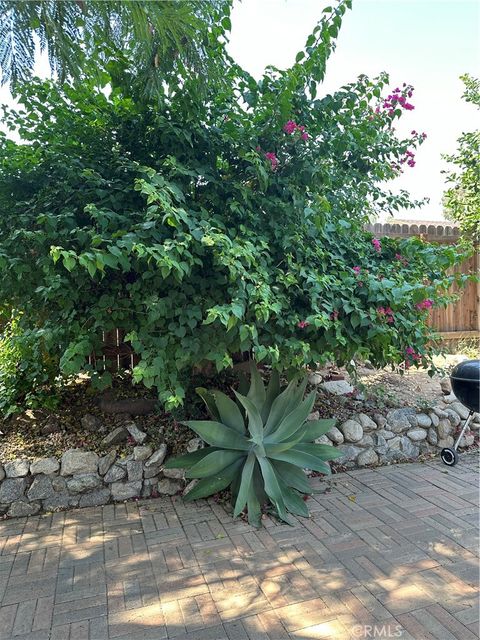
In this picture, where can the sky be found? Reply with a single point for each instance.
(426, 43)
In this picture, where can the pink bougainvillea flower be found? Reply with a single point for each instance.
(357, 269)
(302, 324)
(410, 351)
(305, 136)
(272, 158)
(376, 244)
(425, 304)
(290, 126)
(381, 311)
(334, 315)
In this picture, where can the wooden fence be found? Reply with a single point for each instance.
(459, 320)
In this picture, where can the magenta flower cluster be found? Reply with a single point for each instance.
(291, 126)
(411, 356)
(303, 324)
(377, 245)
(425, 304)
(402, 259)
(398, 98)
(272, 158)
(387, 313)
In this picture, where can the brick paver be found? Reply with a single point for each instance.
(390, 552)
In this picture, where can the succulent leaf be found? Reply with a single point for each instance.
(256, 393)
(245, 484)
(293, 421)
(229, 413)
(206, 486)
(218, 434)
(209, 401)
(255, 424)
(214, 462)
(273, 389)
(317, 428)
(187, 460)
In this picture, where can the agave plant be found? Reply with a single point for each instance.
(259, 447)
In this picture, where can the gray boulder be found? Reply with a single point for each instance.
(439, 412)
(367, 423)
(448, 441)
(335, 435)
(352, 431)
(138, 435)
(453, 417)
(114, 474)
(432, 436)
(444, 428)
(59, 484)
(461, 409)
(76, 461)
(337, 387)
(142, 452)
(95, 498)
(450, 398)
(388, 435)
(20, 509)
(417, 434)
(106, 462)
(91, 423)
(44, 465)
(380, 420)
(466, 441)
(367, 457)
(40, 488)
(348, 453)
(434, 418)
(175, 474)
(323, 440)
(399, 419)
(315, 378)
(61, 500)
(168, 487)
(117, 436)
(2, 472)
(16, 468)
(423, 420)
(366, 441)
(126, 490)
(84, 482)
(197, 443)
(408, 448)
(315, 415)
(158, 457)
(134, 470)
(12, 489)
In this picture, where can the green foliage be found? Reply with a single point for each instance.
(165, 218)
(462, 198)
(259, 448)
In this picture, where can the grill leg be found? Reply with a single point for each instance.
(470, 415)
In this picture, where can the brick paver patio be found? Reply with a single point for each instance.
(389, 551)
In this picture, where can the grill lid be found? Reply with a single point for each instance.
(468, 371)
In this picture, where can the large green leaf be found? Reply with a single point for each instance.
(277, 447)
(272, 487)
(317, 428)
(253, 506)
(256, 393)
(280, 407)
(294, 503)
(213, 463)
(245, 484)
(302, 460)
(273, 391)
(209, 401)
(293, 421)
(218, 435)
(292, 475)
(229, 412)
(187, 460)
(322, 451)
(207, 486)
(255, 424)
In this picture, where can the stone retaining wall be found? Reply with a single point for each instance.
(83, 479)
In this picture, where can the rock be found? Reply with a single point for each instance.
(126, 490)
(122, 462)
(445, 386)
(379, 440)
(197, 443)
(106, 462)
(2, 472)
(134, 431)
(142, 453)
(315, 415)
(434, 418)
(448, 441)
(59, 483)
(445, 428)
(168, 487)
(450, 398)
(315, 378)
(117, 436)
(432, 436)
(148, 487)
(190, 486)
(423, 420)
(367, 423)
(175, 474)
(76, 461)
(367, 457)
(398, 419)
(114, 474)
(40, 488)
(44, 465)
(380, 420)
(95, 498)
(439, 412)
(408, 448)
(466, 441)
(337, 387)
(84, 482)
(20, 509)
(348, 453)
(461, 409)
(417, 434)
(91, 423)
(12, 489)
(323, 440)
(352, 431)
(152, 472)
(366, 441)
(51, 425)
(134, 470)
(16, 468)
(158, 457)
(61, 500)
(335, 435)
(394, 443)
(453, 417)
(388, 435)
(475, 426)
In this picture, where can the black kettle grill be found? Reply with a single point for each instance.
(465, 379)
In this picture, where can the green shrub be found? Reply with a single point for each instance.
(261, 458)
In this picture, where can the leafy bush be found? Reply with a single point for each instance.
(212, 225)
(261, 461)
